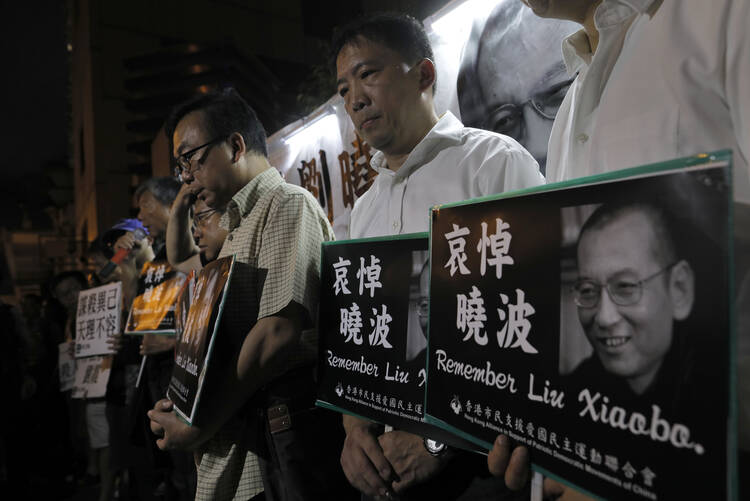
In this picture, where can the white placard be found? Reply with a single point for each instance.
(98, 319)
(66, 365)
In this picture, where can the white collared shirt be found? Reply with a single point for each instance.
(668, 79)
(450, 164)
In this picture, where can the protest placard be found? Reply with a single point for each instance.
(91, 377)
(590, 321)
(198, 312)
(152, 311)
(98, 319)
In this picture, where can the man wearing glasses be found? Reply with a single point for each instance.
(632, 288)
(258, 425)
(512, 78)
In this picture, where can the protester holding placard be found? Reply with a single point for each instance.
(636, 67)
(275, 232)
(387, 76)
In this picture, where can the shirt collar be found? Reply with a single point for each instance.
(244, 200)
(446, 132)
(576, 49)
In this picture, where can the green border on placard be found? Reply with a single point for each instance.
(701, 161)
(386, 238)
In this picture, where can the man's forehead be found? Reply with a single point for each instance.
(628, 236)
(361, 50)
(189, 132)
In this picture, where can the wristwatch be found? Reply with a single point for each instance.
(434, 447)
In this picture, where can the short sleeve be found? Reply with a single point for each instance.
(290, 256)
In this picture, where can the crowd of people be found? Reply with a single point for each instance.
(261, 437)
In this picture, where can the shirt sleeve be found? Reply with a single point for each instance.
(290, 256)
(507, 166)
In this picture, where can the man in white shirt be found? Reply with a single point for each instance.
(386, 76)
(657, 79)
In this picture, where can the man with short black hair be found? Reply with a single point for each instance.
(277, 445)
(386, 77)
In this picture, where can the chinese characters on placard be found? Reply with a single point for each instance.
(153, 279)
(351, 324)
(579, 453)
(98, 319)
(471, 313)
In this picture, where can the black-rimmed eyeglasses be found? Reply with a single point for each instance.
(182, 163)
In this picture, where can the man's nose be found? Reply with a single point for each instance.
(607, 313)
(358, 98)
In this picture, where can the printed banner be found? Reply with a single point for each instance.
(591, 323)
(98, 319)
(152, 311)
(91, 377)
(66, 365)
(373, 329)
(198, 311)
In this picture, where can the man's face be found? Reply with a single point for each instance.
(379, 91)
(210, 176)
(522, 77)
(207, 232)
(630, 341)
(153, 214)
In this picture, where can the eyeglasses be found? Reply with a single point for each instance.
(182, 163)
(508, 118)
(622, 292)
(200, 219)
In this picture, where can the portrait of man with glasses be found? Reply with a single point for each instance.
(633, 292)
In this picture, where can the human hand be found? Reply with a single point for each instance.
(184, 200)
(413, 464)
(152, 344)
(174, 433)
(114, 343)
(512, 465)
(363, 461)
(555, 491)
(126, 241)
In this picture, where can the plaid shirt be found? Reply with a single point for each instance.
(277, 229)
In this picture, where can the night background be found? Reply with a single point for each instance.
(87, 85)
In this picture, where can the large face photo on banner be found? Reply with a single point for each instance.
(590, 321)
(499, 68)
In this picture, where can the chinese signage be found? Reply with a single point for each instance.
(590, 322)
(198, 313)
(98, 319)
(153, 307)
(66, 365)
(91, 377)
(373, 320)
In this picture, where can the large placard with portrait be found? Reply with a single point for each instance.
(590, 321)
(198, 312)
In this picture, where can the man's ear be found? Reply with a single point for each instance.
(682, 290)
(237, 143)
(427, 74)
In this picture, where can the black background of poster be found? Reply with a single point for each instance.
(396, 264)
(184, 388)
(699, 200)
